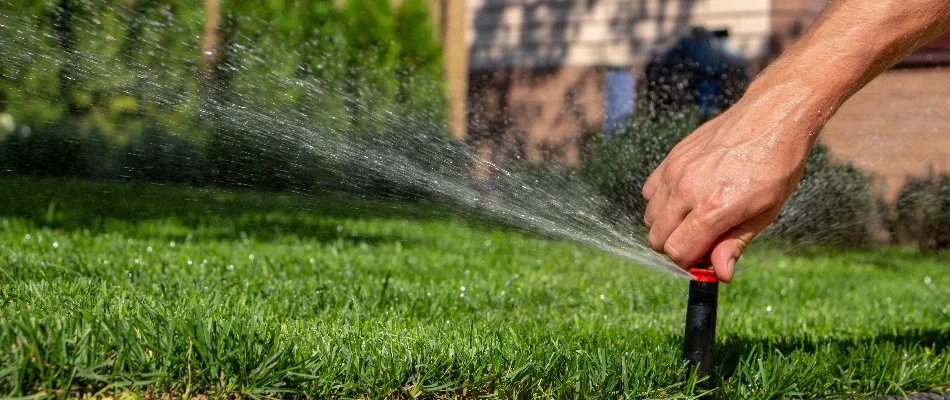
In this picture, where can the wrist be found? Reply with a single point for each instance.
(803, 92)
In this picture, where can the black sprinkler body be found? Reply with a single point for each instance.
(701, 323)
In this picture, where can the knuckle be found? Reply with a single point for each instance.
(710, 205)
(704, 222)
(678, 251)
(672, 250)
(674, 163)
(682, 187)
(686, 184)
(706, 217)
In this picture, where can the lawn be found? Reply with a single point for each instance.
(142, 290)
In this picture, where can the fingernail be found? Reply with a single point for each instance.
(732, 265)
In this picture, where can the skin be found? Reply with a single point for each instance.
(725, 182)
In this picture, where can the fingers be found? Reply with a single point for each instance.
(691, 240)
(653, 182)
(662, 216)
(669, 218)
(655, 207)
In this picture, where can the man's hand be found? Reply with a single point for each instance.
(724, 183)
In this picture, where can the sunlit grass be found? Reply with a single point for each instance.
(138, 288)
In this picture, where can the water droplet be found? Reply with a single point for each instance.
(55, 245)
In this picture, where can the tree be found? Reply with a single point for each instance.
(62, 19)
(421, 81)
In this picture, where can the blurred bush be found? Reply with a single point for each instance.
(137, 90)
(832, 204)
(54, 148)
(156, 154)
(923, 212)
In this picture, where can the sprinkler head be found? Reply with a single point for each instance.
(701, 323)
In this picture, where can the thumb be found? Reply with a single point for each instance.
(728, 248)
(725, 252)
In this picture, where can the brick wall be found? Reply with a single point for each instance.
(537, 66)
(537, 113)
(898, 124)
(537, 70)
(600, 33)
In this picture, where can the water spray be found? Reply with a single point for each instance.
(701, 323)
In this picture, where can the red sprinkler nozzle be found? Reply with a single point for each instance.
(701, 323)
(704, 274)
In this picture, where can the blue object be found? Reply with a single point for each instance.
(708, 97)
(620, 98)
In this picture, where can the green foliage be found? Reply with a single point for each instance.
(158, 155)
(923, 212)
(146, 290)
(420, 68)
(51, 149)
(162, 110)
(832, 204)
(112, 55)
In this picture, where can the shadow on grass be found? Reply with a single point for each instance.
(231, 214)
(175, 212)
(731, 353)
(887, 257)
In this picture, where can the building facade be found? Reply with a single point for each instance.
(539, 73)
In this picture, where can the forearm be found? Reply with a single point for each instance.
(724, 183)
(852, 42)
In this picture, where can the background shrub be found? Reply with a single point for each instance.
(833, 204)
(145, 100)
(923, 212)
(159, 155)
(58, 148)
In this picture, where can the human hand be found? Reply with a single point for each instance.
(724, 183)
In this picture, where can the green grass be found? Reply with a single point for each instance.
(147, 290)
